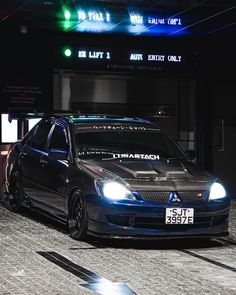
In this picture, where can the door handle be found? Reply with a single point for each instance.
(221, 147)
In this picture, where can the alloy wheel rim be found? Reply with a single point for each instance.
(14, 196)
(78, 214)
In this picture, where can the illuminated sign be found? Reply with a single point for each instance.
(94, 16)
(163, 21)
(136, 56)
(137, 156)
(143, 57)
(102, 20)
(173, 58)
(85, 54)
(136, 19)
(155, 57)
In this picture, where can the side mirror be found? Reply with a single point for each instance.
(191, 155)
(58, 154)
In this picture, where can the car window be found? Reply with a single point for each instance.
(109, 143)
(28, 136)
(39, 139)
(59, 139)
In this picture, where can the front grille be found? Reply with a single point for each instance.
(163, 197)
(159, 223)
(159, 197)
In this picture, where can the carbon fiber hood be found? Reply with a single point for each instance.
(163, 175)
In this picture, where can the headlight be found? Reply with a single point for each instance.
(116, 191)
(217, 191)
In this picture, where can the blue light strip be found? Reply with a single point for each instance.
(99, 118)
(100, 20)
(127, 19)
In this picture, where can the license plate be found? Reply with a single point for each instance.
(179, 215)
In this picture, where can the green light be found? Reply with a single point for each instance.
(67, 14)
(67, 52)
(67, 24)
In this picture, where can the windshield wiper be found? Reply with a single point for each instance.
(115, 159)
(170, 159)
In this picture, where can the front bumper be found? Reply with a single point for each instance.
(147, 220)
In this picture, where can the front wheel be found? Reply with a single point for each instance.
(78, 220)
(15, 197)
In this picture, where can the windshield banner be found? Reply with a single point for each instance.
(137, 156)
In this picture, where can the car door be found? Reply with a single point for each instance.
(55, 169)
(31, 162)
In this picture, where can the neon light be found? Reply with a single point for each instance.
(67, 24)
(108, 17)
(84, 54)
(141, 56)
(94, 27)
(98, 118)
(100, 20)
(136, 56)
(156, 21)
(67, 14)
(81, 15)
(136, 19)
(174, 22)
(163, 21)
(96, 54)
(156, 57)
(93, 16)
(67, 52)
(174, 58)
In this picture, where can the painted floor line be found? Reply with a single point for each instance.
(93, 281)
(214, 262)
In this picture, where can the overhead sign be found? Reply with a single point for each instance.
(160, 60)
(127, 21)
(87, 54)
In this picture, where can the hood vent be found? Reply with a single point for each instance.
(139, 171)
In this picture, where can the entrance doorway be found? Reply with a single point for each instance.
(224, 133)
(170, 102)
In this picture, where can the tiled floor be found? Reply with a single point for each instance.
(148, 268)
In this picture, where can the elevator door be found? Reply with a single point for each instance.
(224, 134)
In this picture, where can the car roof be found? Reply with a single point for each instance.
(78, 118)
(101, 118)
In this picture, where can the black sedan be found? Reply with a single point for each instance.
(113, 176)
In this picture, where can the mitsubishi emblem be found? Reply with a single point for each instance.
(174, 198)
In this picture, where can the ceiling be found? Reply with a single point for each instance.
(201, 17)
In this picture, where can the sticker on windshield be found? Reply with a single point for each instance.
(120, 127)
(85, 153)
(137, 156)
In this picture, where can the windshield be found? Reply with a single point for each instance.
(144, 145)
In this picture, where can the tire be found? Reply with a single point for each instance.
(78, 219)
(15, 197)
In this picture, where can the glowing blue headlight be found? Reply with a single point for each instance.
(116, 191)
(217, 191)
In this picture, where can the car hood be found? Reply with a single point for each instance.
(170, 175)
